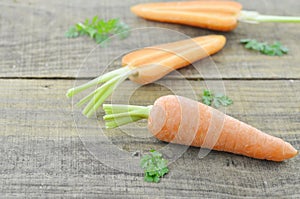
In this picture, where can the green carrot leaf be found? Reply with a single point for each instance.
(215, 100)
(207, 97)
(154, 165)
(99, 30)
(222, 100)
(276, 49)
(72, 32)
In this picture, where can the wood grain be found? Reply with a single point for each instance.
(42, 154)
(46, 145)
(39, 105)
(40, 167)
(34, 45)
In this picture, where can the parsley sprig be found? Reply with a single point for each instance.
(154, 165)
(216, 100)
(276, 49)
(99, 30)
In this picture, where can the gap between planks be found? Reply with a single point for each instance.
(165, 78)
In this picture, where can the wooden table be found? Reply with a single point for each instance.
(45, 142)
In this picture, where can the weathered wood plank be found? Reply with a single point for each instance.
(34, 45)
(36, 106)
(42, 154)
(32, 166)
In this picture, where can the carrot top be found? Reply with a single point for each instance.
(255, 17)
(147, 65)
(118, 115)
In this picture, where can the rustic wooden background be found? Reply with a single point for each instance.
(43, 146)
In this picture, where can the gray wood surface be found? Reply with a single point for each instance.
(43, 155)
(34, 45)
(46, 145)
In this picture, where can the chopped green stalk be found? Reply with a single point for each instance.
(101, 79)
(111, 81)
(101, 95)
(95, 94)
(98, 100)
(139, 112)
(95, 97)
(120, 121)
(118, 115)
(117, 108)
(99, 90)
(255, 17)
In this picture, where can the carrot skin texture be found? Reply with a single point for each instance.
(143, 56)
(197, 6)
(215, 15)
(208, 20)
(152, 63)
(170, 120)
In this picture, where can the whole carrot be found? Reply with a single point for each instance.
(214, 15)
(170, 120)
(147, 65)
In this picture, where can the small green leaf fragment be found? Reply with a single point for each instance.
(284, 49)
(156, 179)
(154, 165)
(243, 41)
(148, 178)
(276, 49)
(207, 97)
(72, 32)
(215, 100)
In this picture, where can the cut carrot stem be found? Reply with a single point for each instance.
(118, 115)
(255, 17)
(170, 120)
(101, 79)
(147, 65)
(214, 15)
(114, 109)
(100, 94)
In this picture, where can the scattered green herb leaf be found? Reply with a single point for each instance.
(99, 30)
(216, 100)
(276, 49)
(154, 165)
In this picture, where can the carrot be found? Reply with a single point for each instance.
(171, 57)
(195, 6)
(147, 65)
(170, 120)
(208, 20)
(214, 15)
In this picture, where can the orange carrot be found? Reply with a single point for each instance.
(214, 15)
(195, 6)
(155, 62)
(147, 65)
(170, 120)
